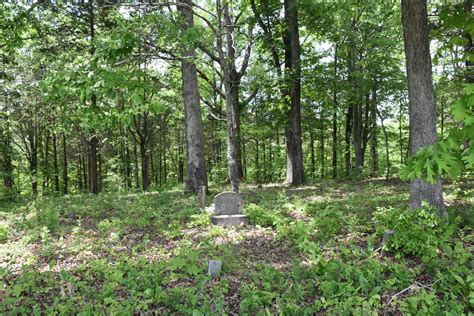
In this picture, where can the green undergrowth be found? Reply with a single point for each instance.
(315, 249)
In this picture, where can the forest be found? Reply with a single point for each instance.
(236, 157)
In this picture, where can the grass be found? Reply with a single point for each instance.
(314, 249)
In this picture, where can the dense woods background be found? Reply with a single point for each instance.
(100, 95)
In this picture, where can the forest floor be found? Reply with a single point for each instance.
(309, 250)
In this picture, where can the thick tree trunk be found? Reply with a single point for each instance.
(233, 137)
(195, 161)
(231, 87)
(294, 149)
(422, 108)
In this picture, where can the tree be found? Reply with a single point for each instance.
(294, 148)
(195, 164)
(422, 108)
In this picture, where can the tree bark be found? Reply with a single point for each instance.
(334, 119)
(135, 166)
(231, 87)
(93, 140)
(355, 106)
(65, 167)
(347, 140)
(322, 140)
(422, 108)
(55, 163)
(313, 158)
(144, 165)
(196, 175)
(94, 168)
(373, 132)
(294, 149)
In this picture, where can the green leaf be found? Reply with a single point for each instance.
(137, 99)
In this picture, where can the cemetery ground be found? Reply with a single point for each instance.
(310, 250)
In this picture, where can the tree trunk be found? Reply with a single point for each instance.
(387, 152)
(94, 140)
(85, 168)
(45, 157)
(366, 129)
(257, 165)
(347, 140)
(65, 171)
(94, 169)
(294, 149)
(334, 120)
(135, 166)
(55, 163)
(34, 167)
(373, 133)
(195, 161)
(322, 149)
(144, 165)
(422, 108)
(313, 158)
(356, 107)
(270, 161)
(128, 169)
(79, 174)
(231, 87)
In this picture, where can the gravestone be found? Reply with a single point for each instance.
(228, 210)
(202, 197)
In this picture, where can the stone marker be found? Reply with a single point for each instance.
(214, 269)
(202, 197)
(228, 210)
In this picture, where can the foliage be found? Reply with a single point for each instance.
(416, 232)
(130, 253)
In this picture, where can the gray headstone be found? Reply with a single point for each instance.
(228, 203)
(202, 197)
(214, 269)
